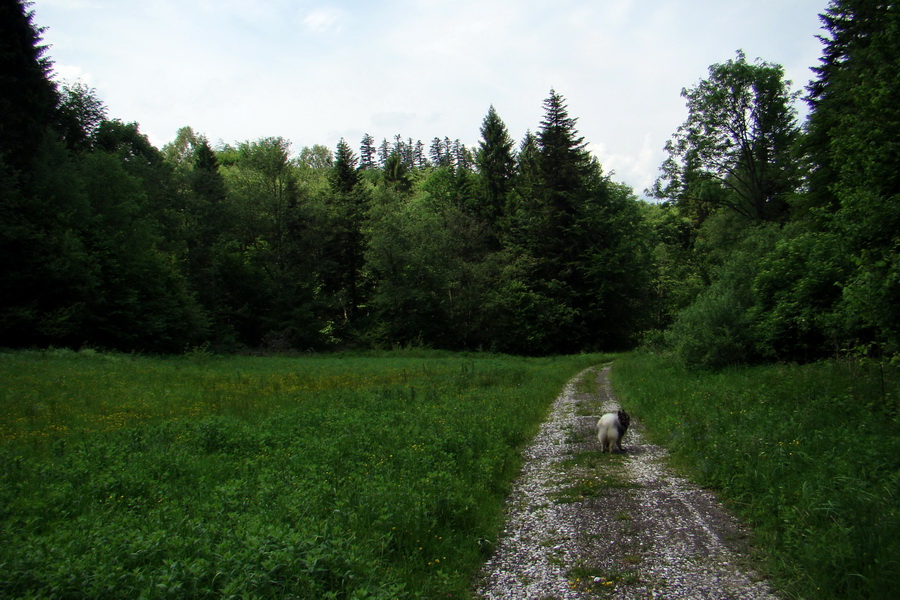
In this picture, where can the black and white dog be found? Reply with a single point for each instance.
(611, 429)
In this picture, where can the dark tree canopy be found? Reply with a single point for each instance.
(27, 94)
(776, 243)
(80, 114)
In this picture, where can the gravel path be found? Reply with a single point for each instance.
(582, 524)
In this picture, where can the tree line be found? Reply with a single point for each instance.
(769, 240)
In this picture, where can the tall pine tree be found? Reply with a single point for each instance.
(341, 264)
(496, 165)
(27, 95)
(367, 152)
(563, 161)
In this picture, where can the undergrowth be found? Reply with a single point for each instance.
(809, 455)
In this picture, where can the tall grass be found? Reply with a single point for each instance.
(205, 477)
(810, 455)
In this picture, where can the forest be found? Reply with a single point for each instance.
(767, 239)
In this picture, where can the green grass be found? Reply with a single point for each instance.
(809, 455)
(589, 474)
(596, 582)
(373, 476)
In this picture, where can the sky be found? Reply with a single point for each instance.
(316, 71)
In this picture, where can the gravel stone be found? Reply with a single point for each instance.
(581, 524)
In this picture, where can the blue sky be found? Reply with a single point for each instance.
(314, 71)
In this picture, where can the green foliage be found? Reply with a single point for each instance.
(270, 254)
(108, 241)
(808, 455)
(496, 164)
(827, 282)
(796, 295)
(853, 144)
(579, 258)
(122, 246)
(429, 259)
(716, 329)
(676, 275)
(332, 477)
(740, 133)
(80, 114)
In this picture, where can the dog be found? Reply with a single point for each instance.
(611, 429)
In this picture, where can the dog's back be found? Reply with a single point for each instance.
(611, 429)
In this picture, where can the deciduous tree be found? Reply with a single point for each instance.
(80, 113)
(740, 133)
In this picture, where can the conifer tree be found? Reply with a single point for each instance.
(27, 95)
(496, 163)
(438, 157)
(419, 158)
(367, 153)
(853, 143)
(384, 152)
(342, 253)
(344, 176)
(206, 181)
(564, 172)
(527, 161)
(562, 159)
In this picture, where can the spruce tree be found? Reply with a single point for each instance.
(436, 151)
(419, 158)
(384, 152)
(563, 174)
(527, 173)
(341, 263)
(367, 153)
(27, 95)
(344, 175)
(563, 161)
(496, 165)
(206, 180)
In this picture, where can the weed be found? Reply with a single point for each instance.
(599, 581)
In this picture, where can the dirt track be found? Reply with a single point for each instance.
(582, 524)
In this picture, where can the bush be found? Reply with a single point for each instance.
(713, 332)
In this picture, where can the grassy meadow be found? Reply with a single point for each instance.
(809, 455)
(375, 476)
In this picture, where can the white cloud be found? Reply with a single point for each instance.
(313, 70)
(637, 163)
(71, 74)
(322, 20)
